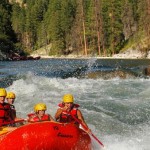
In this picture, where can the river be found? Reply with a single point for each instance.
(116, 107)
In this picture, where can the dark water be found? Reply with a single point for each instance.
(114, 95)
(66, 68)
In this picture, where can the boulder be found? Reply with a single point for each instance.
(147, 71)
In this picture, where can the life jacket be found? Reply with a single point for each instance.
(35, 118)
(5, 113)
(66, 117)
(13, 112)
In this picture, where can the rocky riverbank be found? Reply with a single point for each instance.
(16, 57)
(131, 53)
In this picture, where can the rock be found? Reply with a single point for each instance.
(2, 56)
(147, 71)
(131, 53)
(110, 74)
(148, 55)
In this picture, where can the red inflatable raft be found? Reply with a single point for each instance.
(46, 136)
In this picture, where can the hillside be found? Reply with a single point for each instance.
(75, 27)
(140, 49)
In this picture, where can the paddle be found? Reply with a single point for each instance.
(76, 119)
(12, 122)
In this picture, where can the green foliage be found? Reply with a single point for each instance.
(38, 23)
(18, 17)
(6, 45)
(58, 20)
(5, 20)
(113, 26)
(7, 35)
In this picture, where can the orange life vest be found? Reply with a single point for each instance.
(35, 118)
(66, 117)
(5, 111)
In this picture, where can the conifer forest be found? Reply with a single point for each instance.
(85, 27)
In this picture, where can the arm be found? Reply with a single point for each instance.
(81, 118)
(60, 110)
(13, 114)
(58, 113)
(31, 119)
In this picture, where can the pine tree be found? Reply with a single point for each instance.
(7, 35)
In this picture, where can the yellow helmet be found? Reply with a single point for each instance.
(11, 95)
(68, 98)
(3, 92)
(39, 106)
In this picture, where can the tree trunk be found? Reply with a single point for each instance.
(112, 28)
(83, 24)
(98, 24)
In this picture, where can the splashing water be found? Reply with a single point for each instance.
(117, 110)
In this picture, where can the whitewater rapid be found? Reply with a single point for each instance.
(117, 110)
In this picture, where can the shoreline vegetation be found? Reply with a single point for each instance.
(119, 29)
(136, 52)
(44, 54)
(83, 57)
(126, 55)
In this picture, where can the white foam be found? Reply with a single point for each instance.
(103, 103)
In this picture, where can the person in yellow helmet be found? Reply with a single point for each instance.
(11, 96)
(5, 110)
(68, 112)
(6, 122)
(10, 99)
(40, 114)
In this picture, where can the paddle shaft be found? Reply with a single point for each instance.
(86, 129)
(12, 122)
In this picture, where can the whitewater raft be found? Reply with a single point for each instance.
(46, 136)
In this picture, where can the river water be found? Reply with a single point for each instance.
(116, 108)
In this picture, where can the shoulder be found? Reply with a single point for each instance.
(12, 106)
(6, 105)
(79, 112)
(76, 105)
(60, 105)
(48, 115)
(31, 115)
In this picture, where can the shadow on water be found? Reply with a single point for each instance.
(77, 73)
(74, 68)
(104, 72)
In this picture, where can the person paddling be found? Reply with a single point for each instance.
(10, 99)
(39, 114)
(68, 112)
(5, 116)
(5, 109)
(11, 96)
